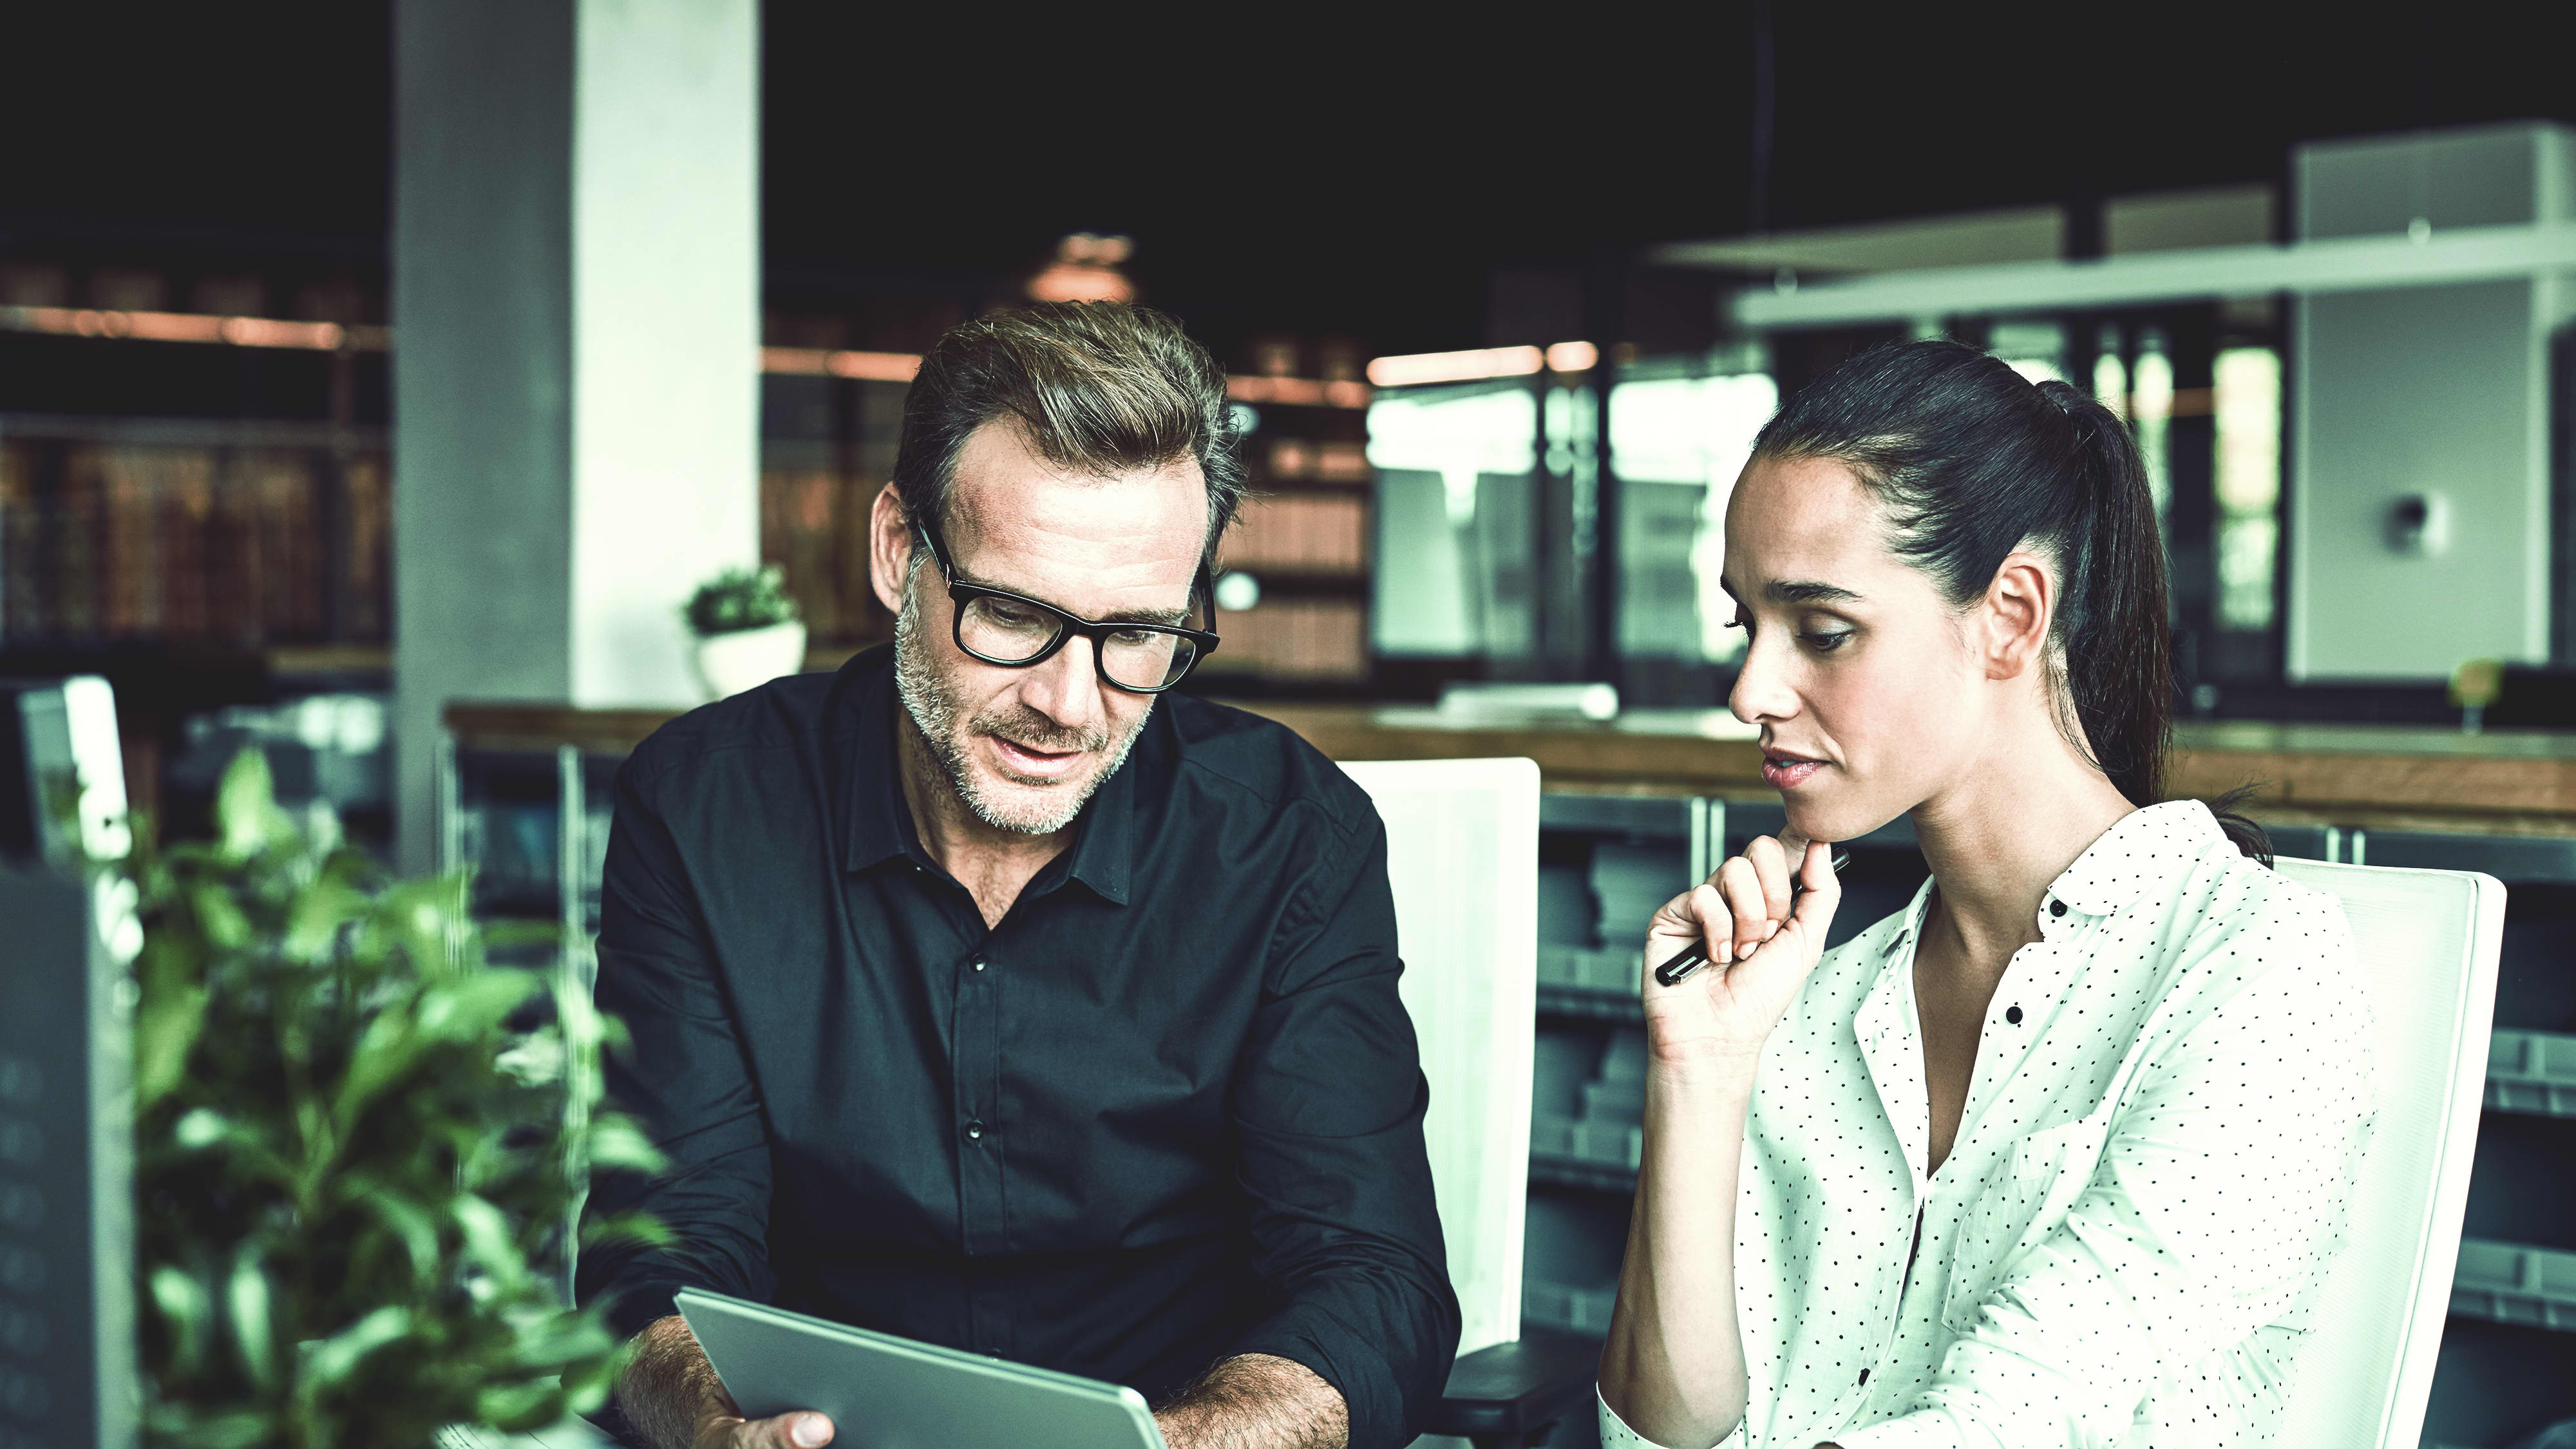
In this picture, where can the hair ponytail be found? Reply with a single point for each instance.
(1972, 463)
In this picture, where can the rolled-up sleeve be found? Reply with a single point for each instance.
(685, 1077)
(1328, 1104)
(2221, 1191)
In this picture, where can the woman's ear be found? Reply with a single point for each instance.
(890, 543)
(2019, 607)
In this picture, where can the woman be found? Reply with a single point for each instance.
(2054, 1156)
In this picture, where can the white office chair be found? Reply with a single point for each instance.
(1462, 856)
(2428, 941)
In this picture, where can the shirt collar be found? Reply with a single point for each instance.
(880, 825)
(2146, 852)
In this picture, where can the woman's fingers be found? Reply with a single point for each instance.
(1771, 866)
(1824, 889)
(1747, 905)
(1685, 921)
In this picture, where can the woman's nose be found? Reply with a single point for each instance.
(1761, 687)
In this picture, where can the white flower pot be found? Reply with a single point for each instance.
(728, 664)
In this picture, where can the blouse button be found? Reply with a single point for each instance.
(2013, 1015)
(2057, 908)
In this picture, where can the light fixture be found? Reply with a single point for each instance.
(1471, 366)
(1085, 269)
(1572, 357)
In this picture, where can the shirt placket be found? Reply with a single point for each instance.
(1894, 1062)
(982, 1217)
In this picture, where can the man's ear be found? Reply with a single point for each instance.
(890, 544)
(2019, 607)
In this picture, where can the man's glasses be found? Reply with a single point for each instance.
(1015, 632)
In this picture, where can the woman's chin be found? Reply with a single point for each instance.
(1819, 818)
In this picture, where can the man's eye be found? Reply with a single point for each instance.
(1018, 616)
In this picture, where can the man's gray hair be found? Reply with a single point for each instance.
(1092, 385)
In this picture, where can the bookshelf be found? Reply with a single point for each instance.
(1294, 596)
(267, 526)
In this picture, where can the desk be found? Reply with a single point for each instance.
(2378, 777)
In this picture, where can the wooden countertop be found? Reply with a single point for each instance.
(2389, 777)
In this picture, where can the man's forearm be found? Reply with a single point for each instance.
(669, 1388)
(1257, 1401)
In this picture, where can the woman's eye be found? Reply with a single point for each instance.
(1826, 643)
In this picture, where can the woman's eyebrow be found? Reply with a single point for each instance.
(1807, 591)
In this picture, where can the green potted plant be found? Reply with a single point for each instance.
(359, 1144)
(748, 630)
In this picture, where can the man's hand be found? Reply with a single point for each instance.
(672, 1398)
(1257, 1401)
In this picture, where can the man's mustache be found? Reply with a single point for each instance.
(1022, 725)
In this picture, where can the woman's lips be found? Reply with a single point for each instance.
(1025, 761)
(1788, 774)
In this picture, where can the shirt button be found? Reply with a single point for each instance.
(979, 965)
(975, 1130)
(2057, 908)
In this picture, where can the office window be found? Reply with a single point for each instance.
(1456, 548)
(2151, 406)
(2036, 350)
(2248, 408)
(1677, 444)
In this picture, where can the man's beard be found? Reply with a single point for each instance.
(933, 707)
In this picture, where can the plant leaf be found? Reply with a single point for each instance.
(246, 1304)
(184, 1308)
(246, 815)
(334, 1358)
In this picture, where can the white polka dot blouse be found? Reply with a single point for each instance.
(2124, 1243)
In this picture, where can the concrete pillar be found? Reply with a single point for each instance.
(576, 276)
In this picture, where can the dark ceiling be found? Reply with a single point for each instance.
(1308, 169)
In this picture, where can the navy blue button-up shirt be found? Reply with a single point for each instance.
(1168, 1111)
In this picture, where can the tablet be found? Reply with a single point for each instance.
(884, 1392)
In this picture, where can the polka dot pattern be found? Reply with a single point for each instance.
(2125, 1241)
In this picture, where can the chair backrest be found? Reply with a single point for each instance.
(2428, 941)
(1462, 856)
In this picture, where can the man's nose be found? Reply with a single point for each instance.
(1065, 687)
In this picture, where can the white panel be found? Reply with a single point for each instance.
(2428, 942)
(1462, 857)
(666, 331)
(2479, 176)
(2308, 268)
(2433, 390)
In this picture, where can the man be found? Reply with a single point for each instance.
(984, 995)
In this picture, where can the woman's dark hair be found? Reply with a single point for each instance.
(1971, 462)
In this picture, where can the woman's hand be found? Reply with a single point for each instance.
(1760, 950)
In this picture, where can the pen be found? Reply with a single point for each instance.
(1695, 955)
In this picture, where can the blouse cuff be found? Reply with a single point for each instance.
(1615, 1433)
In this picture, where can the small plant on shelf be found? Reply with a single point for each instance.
(358, 1145)
(740, 599)
(748, 630)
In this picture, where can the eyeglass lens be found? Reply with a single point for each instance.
(1011, 633)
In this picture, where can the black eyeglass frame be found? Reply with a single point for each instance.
(961, 594)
